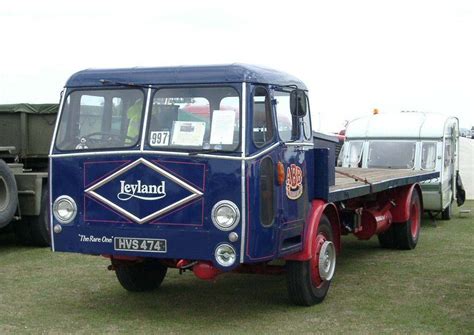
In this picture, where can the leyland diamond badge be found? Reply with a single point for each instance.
(155, 192)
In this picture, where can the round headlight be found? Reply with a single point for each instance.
(225, 215)
(64, 209)
(225, 255)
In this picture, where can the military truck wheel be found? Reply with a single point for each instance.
(387, 239)
(308, 281)
(447, 212)
(8, 194)
(407, 233)
(140, 277)
(39, 225)
(22, 231)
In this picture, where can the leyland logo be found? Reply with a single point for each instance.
(143, 191)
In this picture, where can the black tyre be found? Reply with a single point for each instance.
(387, 239)
(35, 230)
(22, 231)
(8, 194)
(306, 285)
(447, 212)
(407, 233)
(139, 277)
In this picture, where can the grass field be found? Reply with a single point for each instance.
(427, 290)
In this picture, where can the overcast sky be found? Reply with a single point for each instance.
(353, 55)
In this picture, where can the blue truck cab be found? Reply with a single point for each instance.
(206, 168)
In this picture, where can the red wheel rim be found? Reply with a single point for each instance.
(415, 219)
(315, 277)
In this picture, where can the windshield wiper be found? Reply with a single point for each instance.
(210, 151)
(120, 83)
(206, 151)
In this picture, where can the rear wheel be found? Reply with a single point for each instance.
(447, 212)
(8, 194)
(308, 281)
(140, 276)
(407, 233)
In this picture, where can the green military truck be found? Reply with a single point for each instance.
(25, 136)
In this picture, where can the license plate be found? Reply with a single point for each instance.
(139, 244)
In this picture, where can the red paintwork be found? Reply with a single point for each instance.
(374, 222)
(181, 263)
(205, 270)
(402, 197)
(314, 263)
(318, 207)
(415, 219)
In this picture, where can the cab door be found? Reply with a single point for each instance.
(294, 134)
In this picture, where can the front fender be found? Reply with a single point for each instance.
(318, 208)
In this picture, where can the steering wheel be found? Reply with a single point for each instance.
(106, 137)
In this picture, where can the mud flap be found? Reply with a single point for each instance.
(460, 191)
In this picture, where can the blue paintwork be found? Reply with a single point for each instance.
(189, 229)
(218, 74)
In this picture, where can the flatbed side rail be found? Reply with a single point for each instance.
(357, 182)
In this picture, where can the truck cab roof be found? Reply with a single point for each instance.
(205, 74)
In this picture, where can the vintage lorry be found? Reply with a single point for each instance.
(410, 140)
(213, 169)
(25, 137)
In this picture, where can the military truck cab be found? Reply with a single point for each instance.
(209, 169)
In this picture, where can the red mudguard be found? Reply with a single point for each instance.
(318, 208)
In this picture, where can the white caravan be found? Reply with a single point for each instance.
(410, 140)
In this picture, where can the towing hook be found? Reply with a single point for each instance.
(184, 264)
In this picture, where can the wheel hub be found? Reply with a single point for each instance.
(327, 260)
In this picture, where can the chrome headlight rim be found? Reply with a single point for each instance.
(217, 255)
(223, 204)
(71, 202)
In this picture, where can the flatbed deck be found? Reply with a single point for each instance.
(356, 182)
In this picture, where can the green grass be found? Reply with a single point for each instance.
(427, 290)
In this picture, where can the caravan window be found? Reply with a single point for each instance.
(353, 153)
(391, 154)
(428, 155)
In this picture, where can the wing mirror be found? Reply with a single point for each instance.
(298, 103)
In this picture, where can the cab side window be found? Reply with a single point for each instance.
(290, 127)
(262, 124)
(286, 130)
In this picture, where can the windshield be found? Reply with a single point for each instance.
(391, 154)
(100, 119)
(196, 118)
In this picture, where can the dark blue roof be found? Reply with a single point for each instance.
(207, 74)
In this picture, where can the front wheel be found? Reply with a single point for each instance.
(140, 276)
(308, 281)
(407, 233)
